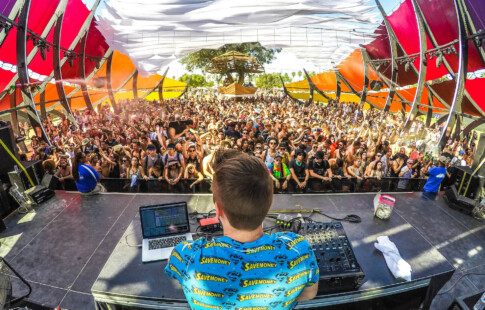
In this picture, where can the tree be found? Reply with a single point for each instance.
(299, 74)
(200, 59)
(293, 75)
(196, 80)
(271, 80)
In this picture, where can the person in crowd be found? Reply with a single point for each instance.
(406, 173)
(64, 171)
(192, 156)
(156, 171)
(319, 168)
(436, 175)
(134, 169)
(278, 170)
(191, 172)
(468, 157)
(125, 165)
(376, 171)
(174, 165)
(110, 165)
(87, 147)
(397, 165)
(243, 194)
(299, 169)
(268, 155)
(355, 170)
(150, 159)
(85, 176)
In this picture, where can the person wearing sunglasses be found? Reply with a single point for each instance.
(269, 155)
(278, 170)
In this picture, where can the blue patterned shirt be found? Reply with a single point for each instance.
(270, 272)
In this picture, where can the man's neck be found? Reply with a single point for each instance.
(243, 236)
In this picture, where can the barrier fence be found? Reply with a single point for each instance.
(314, 185)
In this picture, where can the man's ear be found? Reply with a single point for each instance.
(219, 211)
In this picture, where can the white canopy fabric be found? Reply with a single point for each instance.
(154, 33)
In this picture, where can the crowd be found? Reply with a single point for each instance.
(177, 139)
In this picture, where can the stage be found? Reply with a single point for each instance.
(69, 248)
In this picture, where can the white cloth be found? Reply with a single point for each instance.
(154, 33)
(398, 266)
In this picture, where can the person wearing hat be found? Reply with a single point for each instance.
(405, 173)
(85, 176)
(436, 176)
(149, 160)
(174, 165)
(299, 169)
(87, 147)
(319, 168)
(278, 170)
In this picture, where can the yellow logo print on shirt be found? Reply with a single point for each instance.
(198, 303)
(177, 256)
(200, 292)
(172, 267)
(291, 244)
(214, 260)
(259, 249)
(294, 290)
(289, 302)
(253, 296)
(258, 265)
(298, 276)
(218, 244)
(209, 277)
(251, 282)
(296, 261)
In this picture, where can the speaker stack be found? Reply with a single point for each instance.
(20, 179)
(468, 188)
(7, 162)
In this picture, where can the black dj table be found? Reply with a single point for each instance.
(129, 283)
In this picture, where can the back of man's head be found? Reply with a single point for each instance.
(243, 189)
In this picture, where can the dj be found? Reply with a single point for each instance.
(246, 267)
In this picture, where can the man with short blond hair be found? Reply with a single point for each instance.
(246, 267)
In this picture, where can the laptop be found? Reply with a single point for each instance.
(163, 227)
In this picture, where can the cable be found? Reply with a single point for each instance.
(23, 209)
(351, 218)
(458, 281)
(130, 245)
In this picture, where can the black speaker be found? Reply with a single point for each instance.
(466, 185)
(478, 159)
(460, 203)
(35, 171)
(7, 162)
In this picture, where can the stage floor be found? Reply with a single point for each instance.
(62, 246)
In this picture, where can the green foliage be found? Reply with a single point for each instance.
(271, 80)
(200, 59)
(196, 80)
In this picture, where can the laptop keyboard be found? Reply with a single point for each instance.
(165, 242)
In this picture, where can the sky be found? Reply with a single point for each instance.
(283, 63)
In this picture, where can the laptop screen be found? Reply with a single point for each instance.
(165, 219)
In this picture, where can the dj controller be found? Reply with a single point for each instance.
(339, 268)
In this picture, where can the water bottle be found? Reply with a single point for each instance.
(480, 305)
